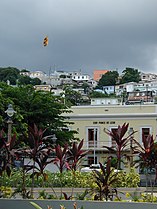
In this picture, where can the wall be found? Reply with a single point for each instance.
(55, 204)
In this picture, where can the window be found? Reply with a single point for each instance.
(92, 134)
(144, 132)
(92, 137)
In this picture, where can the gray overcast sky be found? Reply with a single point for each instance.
(83, 34)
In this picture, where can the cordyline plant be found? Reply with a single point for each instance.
(121, 141)
(61, 161)
(147, 156)
(69, 158)
(74, 155)
(104, 180)
(39, 152)
(61, 158)
(7, 153)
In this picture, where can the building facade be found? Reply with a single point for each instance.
(91, 121)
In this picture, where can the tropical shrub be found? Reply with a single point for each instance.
(122, 140)
(131, 179)
(104, 180)
(83, 180)
(5, 192)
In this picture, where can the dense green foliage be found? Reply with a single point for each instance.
(25, 80)
(9, 74)
(31, 106)
(131, 179)
(72, 97)
(13, 76)
(96, 94)
(112, 78)
(130, 75)
(82, 180)
(108, 79)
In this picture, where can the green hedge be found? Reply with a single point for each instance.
(67, 179)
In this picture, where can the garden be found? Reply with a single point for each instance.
(104, 185)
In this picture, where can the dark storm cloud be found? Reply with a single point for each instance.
(82, 34)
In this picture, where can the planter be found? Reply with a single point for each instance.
(55, 204)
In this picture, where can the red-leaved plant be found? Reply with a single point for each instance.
(121, 141)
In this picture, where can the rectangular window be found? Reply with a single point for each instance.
(92, 137)
(145, 132)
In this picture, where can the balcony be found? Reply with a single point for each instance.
(97, 145)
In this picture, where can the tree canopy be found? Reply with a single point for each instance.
(34, 107)
(96, 94)
(108, 79)
(25, 80)
(72, 97)
(9, 74)
(13, 76)
(130, 75)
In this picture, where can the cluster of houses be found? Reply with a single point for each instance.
(129, 93)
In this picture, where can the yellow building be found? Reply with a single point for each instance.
(90, 122)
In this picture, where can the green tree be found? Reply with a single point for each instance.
(24, 80)
(86, 87)
(72, 97)
(35, 81)
(36, 107)
(130, 75)
(108, 79)
(96, 94)
(9, 74)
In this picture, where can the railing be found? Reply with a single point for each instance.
(99, 145)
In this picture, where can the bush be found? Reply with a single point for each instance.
(68, 179)
(131, 179)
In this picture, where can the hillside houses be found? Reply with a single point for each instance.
(130, 93)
